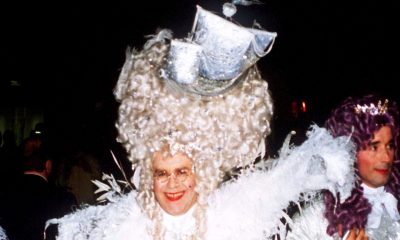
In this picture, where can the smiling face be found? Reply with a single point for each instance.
(174, 182)
(375, 162)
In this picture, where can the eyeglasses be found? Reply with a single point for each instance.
(180, 174)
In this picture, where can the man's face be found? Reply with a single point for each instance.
(375, 162)
(174, 182)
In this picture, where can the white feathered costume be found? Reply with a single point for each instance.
(249, 207)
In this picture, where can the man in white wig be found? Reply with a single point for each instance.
(193, 111)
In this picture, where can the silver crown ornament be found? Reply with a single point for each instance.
(216, 56)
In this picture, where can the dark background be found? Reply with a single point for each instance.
(65, 58)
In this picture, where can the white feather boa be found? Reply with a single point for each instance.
(249, 207)
(310, 224)
(3, 235)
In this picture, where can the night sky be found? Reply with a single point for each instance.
(66, 56)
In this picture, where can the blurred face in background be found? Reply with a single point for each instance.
(375, 162)
(174, 182)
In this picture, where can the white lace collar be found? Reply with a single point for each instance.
(382, 203)
(179, 227)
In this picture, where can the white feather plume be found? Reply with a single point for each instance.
(252, 205)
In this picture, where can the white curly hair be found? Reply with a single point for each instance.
(219, 133)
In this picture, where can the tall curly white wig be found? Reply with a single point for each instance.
(219, 133)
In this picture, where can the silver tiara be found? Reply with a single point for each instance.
(216, 55)
(372, 109)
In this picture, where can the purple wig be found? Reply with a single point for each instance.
(359, 118)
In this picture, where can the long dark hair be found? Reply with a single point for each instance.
(360, 118)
